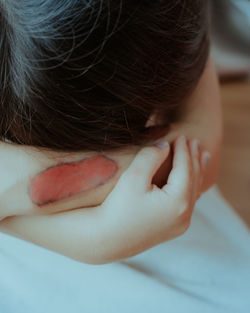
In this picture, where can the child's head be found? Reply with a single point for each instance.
(87, 75)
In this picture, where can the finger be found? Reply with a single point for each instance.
(145, 164)
(197, 174)
(204, 161)
(178, 180)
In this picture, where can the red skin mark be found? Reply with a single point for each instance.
(65, 180)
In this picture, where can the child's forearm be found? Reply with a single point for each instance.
(136, 215)
(32, 183)
(68, 233)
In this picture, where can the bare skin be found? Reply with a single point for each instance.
(69, 179)
(202, 120)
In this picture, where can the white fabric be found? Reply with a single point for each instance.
(230, 37)
(206, 270)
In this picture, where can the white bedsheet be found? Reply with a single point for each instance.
(205, 270)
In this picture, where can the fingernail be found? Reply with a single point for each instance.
(162, 144)
(206, 157)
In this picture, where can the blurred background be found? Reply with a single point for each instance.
(230, 49)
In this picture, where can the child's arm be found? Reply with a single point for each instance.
(134, 217)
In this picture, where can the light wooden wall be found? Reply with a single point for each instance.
(234, 175)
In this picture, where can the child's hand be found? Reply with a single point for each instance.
(138, 215)
(134, 217)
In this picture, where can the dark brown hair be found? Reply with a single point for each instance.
(86, 75)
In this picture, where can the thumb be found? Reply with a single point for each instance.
(145, 164)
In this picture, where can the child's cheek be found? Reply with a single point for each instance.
(66, 180)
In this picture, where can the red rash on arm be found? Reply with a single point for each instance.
(65, 180)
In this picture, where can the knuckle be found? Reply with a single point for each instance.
(185, 227)
(182, 205)
(185, 222)
(185, 207)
